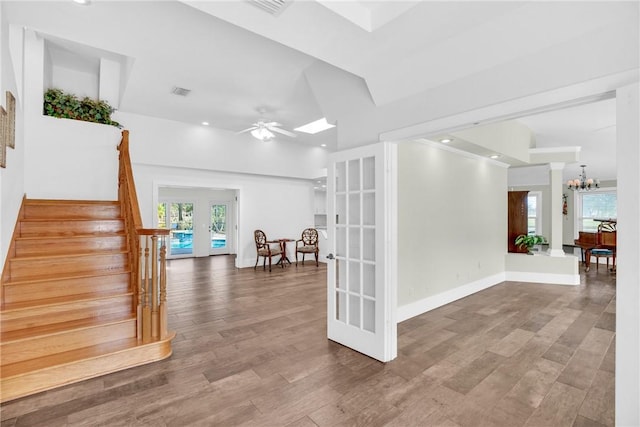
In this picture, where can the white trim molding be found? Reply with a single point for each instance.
(547, 278)
(427, 304)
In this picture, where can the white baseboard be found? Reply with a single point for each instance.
(549, 278)
(427, 304)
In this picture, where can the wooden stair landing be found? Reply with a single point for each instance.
(68, 306)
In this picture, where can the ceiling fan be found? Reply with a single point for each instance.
(263, 130)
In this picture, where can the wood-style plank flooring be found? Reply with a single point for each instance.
(251, 350)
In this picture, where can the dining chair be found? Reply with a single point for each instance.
(265, 249)
(307, 244)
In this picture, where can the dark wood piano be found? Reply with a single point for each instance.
(604, 238)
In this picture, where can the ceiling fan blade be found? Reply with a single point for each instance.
(282, 131)
(247, 130)
(269, 124)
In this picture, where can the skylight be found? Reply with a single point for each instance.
(315, 127)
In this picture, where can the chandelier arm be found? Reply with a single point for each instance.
(582, 183)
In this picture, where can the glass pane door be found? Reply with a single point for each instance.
(177, 217)
(360, 295)
(219, 239)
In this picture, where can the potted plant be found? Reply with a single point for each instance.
(529, 241)
(67, 106)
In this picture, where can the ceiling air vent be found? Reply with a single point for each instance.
(180, 91)
(272, 7)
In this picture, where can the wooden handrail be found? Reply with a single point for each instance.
(147, 255)
(126, 181)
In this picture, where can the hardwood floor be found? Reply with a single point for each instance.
(252, 350)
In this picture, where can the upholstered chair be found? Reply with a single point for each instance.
(266, 249)
(307, 244)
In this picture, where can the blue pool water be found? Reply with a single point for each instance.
(218, 243)
(187, 243)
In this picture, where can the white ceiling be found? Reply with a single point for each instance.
(237, 59)
(591, 126)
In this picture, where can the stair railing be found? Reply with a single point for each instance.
(147, 255)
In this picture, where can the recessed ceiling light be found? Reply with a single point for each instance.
(494, 156)
(315, 127)
(83, 2)
(324, 186)
(446, 140)
(205, 123)
(323, 145)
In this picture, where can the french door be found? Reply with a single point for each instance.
(178, 218)
(219, 237)
(361, 279)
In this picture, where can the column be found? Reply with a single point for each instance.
(628, 259)
(556, 185)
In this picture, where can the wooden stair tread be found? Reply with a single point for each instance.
(68, 307)
(75, 236)
(65, 277)
(57, 328)
(70, 202)
(70, 219)
(66, 299)
(65, 256)
(71, 356)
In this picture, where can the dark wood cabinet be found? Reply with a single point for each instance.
(517, 205)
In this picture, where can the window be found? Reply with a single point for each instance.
(534, 204)
(598, 204)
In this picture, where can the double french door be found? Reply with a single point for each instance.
(187, 240)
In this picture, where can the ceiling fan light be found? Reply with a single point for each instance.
(263, 134)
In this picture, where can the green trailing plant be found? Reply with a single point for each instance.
(67, 106)
(529, 240)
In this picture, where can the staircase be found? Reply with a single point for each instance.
(73, 305)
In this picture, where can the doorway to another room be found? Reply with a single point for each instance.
(201, 221)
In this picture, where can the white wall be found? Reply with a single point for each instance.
(11, 178)
(80, 83)
(70, 159)
(452, 224)
(320, 209)
(64, 159)
(170, 143)
(281, 207)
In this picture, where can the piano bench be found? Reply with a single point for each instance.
(608, 253)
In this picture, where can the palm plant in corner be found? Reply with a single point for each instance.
(529, 241)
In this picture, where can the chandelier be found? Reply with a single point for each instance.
(582, 183)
